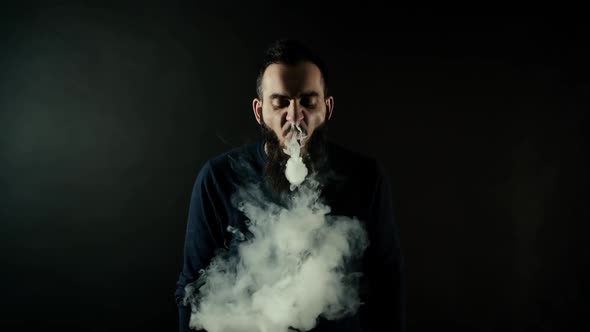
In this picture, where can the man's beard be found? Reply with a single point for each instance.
(314, 156)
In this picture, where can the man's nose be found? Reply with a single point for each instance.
(295, 113)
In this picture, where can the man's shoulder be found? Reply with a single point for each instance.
(352, 160)
(235, 159)
(245, 151)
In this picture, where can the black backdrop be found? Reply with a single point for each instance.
(107, 113)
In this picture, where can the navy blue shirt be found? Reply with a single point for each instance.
(357, 187)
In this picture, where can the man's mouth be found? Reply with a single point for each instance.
(298, 133)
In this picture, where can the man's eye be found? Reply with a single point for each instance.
(280, 104)
(308, 103)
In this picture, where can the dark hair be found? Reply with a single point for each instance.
(290, 52)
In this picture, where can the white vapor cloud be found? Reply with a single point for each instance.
(288, 269)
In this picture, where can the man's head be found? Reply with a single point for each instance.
(292, 91)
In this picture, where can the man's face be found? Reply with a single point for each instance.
(292, 95)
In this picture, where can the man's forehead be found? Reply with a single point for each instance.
(292, 80)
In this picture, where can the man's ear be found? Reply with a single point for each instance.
(257, 108)
(329, 107)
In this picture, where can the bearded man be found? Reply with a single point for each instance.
(293, 108)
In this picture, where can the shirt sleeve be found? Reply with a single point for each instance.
(387, 309)
(204, 235)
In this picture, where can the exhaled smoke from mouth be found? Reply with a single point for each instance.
(288, 268)
(295, 170)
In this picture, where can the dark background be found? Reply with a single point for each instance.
(107, 114)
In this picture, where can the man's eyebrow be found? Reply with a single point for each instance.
(278, 96)
(310, 94)
(303, 95)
